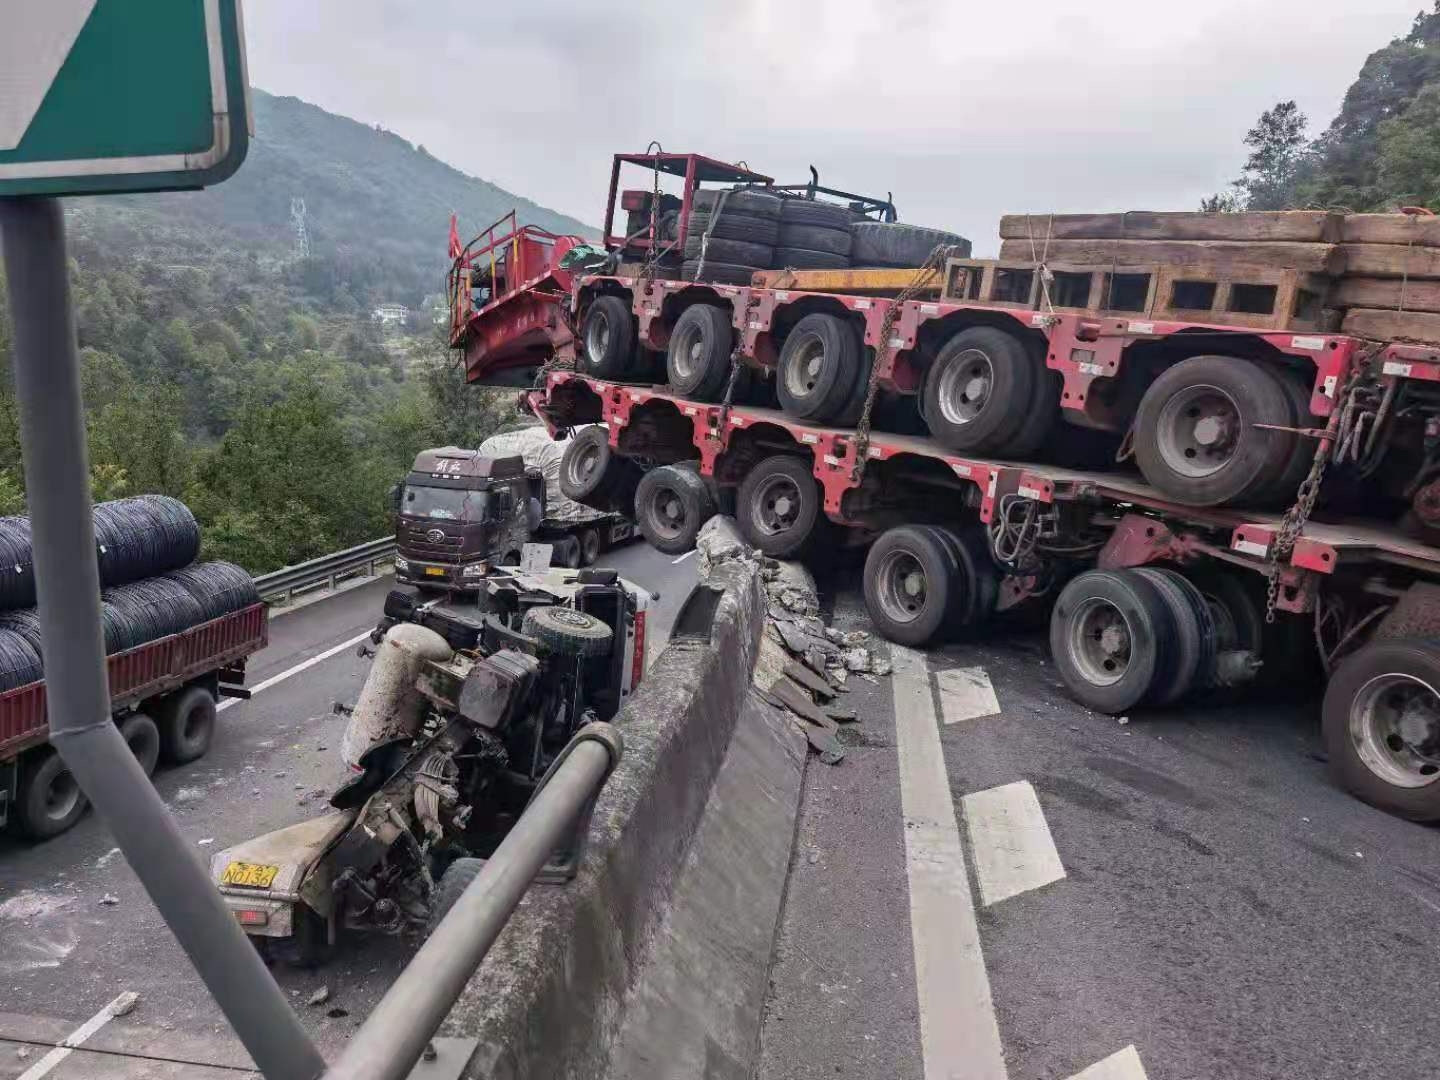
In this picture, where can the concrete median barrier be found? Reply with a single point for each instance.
(653, 961)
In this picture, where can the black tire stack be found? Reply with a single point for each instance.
(736, 230)
(813, 236)
(152, 588)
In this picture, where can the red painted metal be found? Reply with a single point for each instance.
(142, 672)
(694, 168)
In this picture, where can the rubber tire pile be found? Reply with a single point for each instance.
(152, 587)
(740, 240)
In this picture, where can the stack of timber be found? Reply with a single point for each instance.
(1372, 275)
(1390, 290)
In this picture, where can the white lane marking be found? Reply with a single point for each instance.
(1010, 842)
(682, 558)
(76, 1038)
(959, 1036)
(304, 665)
(965, 694)
(1121, 1065)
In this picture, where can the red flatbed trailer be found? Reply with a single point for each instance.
(162, 679)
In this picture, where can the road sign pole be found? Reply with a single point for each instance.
(67, 582)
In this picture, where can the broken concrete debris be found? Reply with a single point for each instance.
(803, 664)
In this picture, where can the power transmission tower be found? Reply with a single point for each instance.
(297, 221)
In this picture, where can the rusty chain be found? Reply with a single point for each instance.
(1292, 524)
(934, 264)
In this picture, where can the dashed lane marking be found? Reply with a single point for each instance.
(304, 665)
(965, 694)
(682, 558)
(77, 1038)
(959, 1036)
(1010, 842)
(1122, 1065)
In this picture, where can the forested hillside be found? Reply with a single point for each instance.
(223, 368)
(1381, 152)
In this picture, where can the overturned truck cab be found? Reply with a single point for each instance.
(465, 711)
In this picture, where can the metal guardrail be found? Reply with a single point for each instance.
(326, 570)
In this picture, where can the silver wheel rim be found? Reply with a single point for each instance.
(667, 513)
(687, 353)
(805, 365)
(597, 337)
(1100, 641)
(777, 504)
(965, 386)
(584, 464)
(1198, 431)
(902, 587)
(1395, 729)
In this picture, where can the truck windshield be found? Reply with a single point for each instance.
(447, 504)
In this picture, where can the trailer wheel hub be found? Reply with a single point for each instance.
(1198, 430)
(964, 388)
(1395, 727)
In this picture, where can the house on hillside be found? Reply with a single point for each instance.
(391, 314)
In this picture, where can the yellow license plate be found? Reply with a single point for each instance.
(250, 875)
(434, 571)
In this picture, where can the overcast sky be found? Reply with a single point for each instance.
(964, 110)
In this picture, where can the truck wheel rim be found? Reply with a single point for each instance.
(597, 338)
(1101, 641)
(583, 465)
(61, 796)
(689, 353)
(668, 514)
(965, 385)
(807, 363)
(1395, 729)
(777, 505)
(1198, 431)
(902, 587)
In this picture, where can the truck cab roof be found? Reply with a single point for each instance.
(454, 463)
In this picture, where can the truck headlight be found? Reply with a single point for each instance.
(402, 565)
(474, 570)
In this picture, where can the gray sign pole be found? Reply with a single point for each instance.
(67, 581)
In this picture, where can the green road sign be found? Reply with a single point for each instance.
(120, 95)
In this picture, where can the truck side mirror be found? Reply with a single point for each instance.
(395, 492)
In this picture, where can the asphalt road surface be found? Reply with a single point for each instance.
(77, 929)
(998, 883)
(995, 884)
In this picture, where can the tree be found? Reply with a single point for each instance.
(1222, 202)
(1408, 166)
(1277, 149)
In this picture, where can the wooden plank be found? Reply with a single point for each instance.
(1214, 257)
(1393, 325)
(876, 281)
(1390, 260)
(1391, 229)
(1296, 226)
(1360, 292)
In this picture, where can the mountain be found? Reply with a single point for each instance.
(377, 209)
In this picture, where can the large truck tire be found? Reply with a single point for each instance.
(697, 364)
(746, 201)
(1302, 454)
(142, 735)
(592, 474)
(453, 882)
(970, 545)
(49, 800)
(801, 258)
(566, 552)
(607, 339)
(718, 273)
(567, 631)
(816, 238)
(671, 504)
(1113, 640)
(1381, 724)
(1194, 662)
(883, 243)
(778, 508)
(589, 546)
(813, 214)
(1200, 437)
(820, 366)
(187, 724)
(980, 390)
(739, 252)
(912, 585)
(733, 225)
